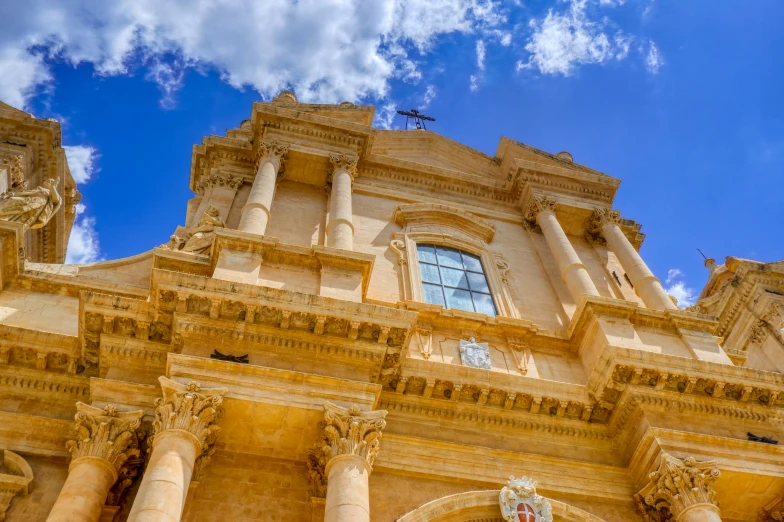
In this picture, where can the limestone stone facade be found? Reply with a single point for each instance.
(353, 324)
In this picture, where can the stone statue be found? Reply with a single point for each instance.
(33, 208)
(198, 240)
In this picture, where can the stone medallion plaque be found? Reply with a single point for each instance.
(474, 354)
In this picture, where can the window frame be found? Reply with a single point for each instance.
(464, 269)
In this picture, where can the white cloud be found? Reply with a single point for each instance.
(480, 54)
(678, 288)
(83, 245)
(654, 60)
(430, 95)
(564, 40)
(473, 83)
(385, 115)
(81, 161)
(326, 50)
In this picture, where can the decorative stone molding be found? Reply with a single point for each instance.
(16, 478)
(189, 408)
(15, 164)
(421, 215)
(218, 181)
(773, 512)
(678, 484)
(351, 431)
(600, 218)
(105, 433)
(344, 162)
(520, 503)
(317, 476)
(536, 205)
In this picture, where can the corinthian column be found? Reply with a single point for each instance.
(105, 440)
(682, 488)
(646, 285)
(340, 228)
(351, 439)
(573, 271)
(184, 428)
(256, 212)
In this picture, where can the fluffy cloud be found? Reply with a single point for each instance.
(480, 54)
(562, 41)
(678, 288)
(81, 161)
(430, 95)
(83, 246)
(326, 50)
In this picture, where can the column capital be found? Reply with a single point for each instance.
(273, 150)
(106, 434)
(351, 431)
(189, 408)
(678, 485)
(536, 205)
(345, 162)
(218, 181)
(594, 232)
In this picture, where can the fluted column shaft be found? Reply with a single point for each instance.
(161, 495)
(256, 212)
(84, 492)
(646, 285)
(340, 228)
(183, 429)
(573, 271)
(105, 440)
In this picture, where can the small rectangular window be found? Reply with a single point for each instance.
(454, 279)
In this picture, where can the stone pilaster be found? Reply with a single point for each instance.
(183, 430)
(607, 223)
(105, 439)
(573, 272)
(350, 441)
(681, 490)
(340, 228)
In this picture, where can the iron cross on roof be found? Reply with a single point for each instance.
(419, 118)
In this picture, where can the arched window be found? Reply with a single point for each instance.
(454, 279)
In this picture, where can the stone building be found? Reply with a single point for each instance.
(356, 324)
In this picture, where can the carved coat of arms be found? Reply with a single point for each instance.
(520, 503)
(474, 354)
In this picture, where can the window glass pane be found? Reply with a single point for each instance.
(452, 277)
(449, 257)
(472, 262)
(484, 303)
(429, 273)
(433, 294)
(426, 253)
(478, 282)
(460, 299)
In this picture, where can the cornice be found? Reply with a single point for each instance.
(30, 381)
(434, 215)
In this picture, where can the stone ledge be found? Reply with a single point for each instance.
(33, 434)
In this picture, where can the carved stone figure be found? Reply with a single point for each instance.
(199, 239)
(520, 503)
(474, 354)
(33, 208)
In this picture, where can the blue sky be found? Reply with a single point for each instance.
(681, 100)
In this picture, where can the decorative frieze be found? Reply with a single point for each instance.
(105, 433)
(213, 181)
(190, 408)
(677, 485)
(351, 431)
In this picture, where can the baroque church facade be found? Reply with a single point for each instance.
(354, 324)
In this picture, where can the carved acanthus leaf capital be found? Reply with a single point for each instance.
(679, 484)
(190, 408)
(274, 151)
(606, 216)
(343, 162)
(536, 205)
(317, 472)
(351, 431)
(105, 433)
(218, 181)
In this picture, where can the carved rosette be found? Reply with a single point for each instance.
(343, 162)
(678, 484)
(105, 433)
(351, 431)
(190, 408)
(274, 151)
(218, 181)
